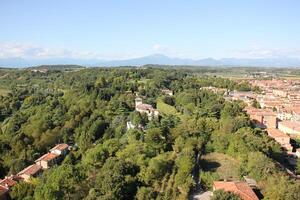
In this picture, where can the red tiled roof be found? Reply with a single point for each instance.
(47, 157)
(8, 182)
(60, 147)
(296, 110)
(275, 133)
(240, 188)
(31, 170)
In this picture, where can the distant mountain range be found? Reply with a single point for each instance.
(154, 59)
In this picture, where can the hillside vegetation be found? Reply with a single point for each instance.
(89, 109)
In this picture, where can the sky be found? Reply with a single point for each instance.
(121, 29)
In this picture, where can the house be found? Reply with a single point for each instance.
(3, 192)
(8, 182)
(30, 171)
(47, 160)
(40, 70)
(130, 125)
(280, 92)
(285, 113)
(263, 118)
(246, 97)
(240, 188)
(280, 137)
(167, 92)
(289, 127)
(60, 149)
(222, 91)
(145, 108)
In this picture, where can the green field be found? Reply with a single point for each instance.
(225, 166)
(166, 109)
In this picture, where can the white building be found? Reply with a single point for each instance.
(145, 108)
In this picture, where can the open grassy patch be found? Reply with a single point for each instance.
(165, 108)
(223, 165)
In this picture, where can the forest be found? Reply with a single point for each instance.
(198, 137)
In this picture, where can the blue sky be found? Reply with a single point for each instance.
(131, 28)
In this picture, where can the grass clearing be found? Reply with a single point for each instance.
(167, 109)
(225, 166)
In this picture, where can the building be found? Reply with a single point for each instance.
(289, 127)
(167, 92)
(60, 149)
(222, 91)
(280, 137)
(285, 114)
(130, 125)
(145, 108)
(29, 172)
(280, 93)
(262, 118)
(8, 182)
(240, 188)
(47, 160)
(246, 97)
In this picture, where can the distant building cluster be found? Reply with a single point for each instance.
(53, 157)
(277, 110)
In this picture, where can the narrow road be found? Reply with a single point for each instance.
(196, 176)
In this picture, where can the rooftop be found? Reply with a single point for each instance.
(275, 133)
(60, 147)
(47, 157)
(291, 124)
(144, 106)
(240, 188)
(8, 182)
(31, 170)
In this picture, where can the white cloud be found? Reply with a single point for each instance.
(31, 51)
(160, 48)
(258, 51)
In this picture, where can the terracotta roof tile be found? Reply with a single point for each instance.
(274, 133)
(47, 157)
(240, 188)
(60, 147)
(8, 182)
(31, 170)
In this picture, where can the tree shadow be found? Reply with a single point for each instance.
(210, 165)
